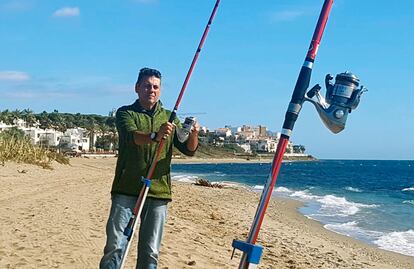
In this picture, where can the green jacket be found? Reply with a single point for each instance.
(134, 161)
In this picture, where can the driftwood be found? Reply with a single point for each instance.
(206, 183)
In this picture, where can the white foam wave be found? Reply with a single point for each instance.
(304, 195)
(352, 229)
(352, 189)
(184, 178)
(408, 189)
(411, 202)
(333, 205)
(347, 228)
(402, 242)
(258, 187)
(282, 189)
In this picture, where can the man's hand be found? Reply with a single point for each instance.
(165, 130)
(192, 142)
(196, 127)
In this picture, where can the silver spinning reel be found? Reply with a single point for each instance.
(340, 99)
(184, 132)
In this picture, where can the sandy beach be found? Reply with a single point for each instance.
(56, 219)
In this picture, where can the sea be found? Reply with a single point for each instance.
(368, 200)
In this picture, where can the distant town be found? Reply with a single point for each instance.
(79, 133)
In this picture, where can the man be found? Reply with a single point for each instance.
(141, 126)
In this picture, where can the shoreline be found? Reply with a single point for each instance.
(50, 217)
(196, 160)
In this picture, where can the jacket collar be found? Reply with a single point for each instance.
(137, 107)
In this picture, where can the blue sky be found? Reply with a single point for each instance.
(83, 56)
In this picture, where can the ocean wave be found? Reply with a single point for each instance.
(353, 230)
(282, 189)
(401, 242)
(334, 206)
(411, 202)
(408, 189)
(352, 189)
(331, 205)
(347, 228)
(305, 195)
(184, 178)
(258, 187)
(277, 189)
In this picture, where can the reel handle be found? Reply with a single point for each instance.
(312, 92)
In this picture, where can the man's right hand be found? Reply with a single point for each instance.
(165, 130)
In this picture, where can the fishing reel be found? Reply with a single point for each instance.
(184, 132)
(340, 99)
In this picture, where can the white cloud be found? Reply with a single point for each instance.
(13, 76)
(286, 15)
(67, 12)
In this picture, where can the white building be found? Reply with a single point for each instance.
(246, 147)
(223, 132)
(4, 126)
(266, 145)
(77, 138)
(47, 137)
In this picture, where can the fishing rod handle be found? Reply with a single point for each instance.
(132, 224)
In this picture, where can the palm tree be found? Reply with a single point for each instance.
(7, 117)
(44, 123)
(57, 121)
(16, 115)
(28, 117)
(91, 127)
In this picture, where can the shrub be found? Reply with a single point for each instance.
(14, 147)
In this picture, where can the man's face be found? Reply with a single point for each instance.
(149, 90)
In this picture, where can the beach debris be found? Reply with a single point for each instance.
(191, 263)
(22, 171)
(206, 183)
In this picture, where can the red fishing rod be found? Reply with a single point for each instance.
(251, 252)
(341, 99)
(131, 227)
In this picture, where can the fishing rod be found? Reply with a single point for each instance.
(131, 227)
(341, 99)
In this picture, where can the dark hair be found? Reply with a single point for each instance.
(148, 72)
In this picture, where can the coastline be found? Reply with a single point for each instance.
(267, 159)
(56, 219)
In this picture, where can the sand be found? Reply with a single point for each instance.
(56, 219)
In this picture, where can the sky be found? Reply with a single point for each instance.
(84, 56)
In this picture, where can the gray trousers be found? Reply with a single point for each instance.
(151, 228)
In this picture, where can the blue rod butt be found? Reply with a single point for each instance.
(253, 252)
(128, 232)
(147, 182)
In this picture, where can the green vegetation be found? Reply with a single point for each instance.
(104, 125)
(15, 146)
(206, 151)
